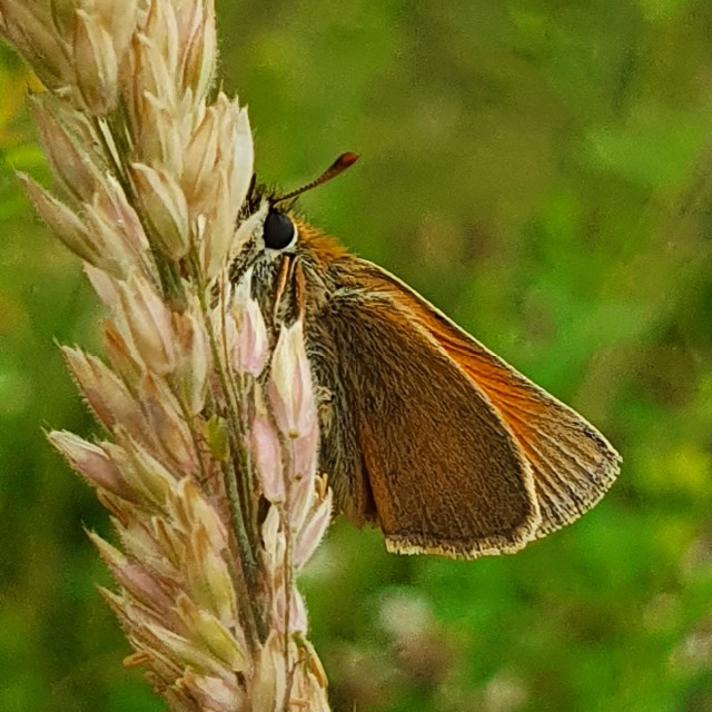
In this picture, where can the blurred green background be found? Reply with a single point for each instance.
(540, 170)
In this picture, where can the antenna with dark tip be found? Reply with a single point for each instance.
(344, 161)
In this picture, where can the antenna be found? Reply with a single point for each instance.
(344, 161)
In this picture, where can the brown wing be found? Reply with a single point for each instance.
(443, 471)
(572, 463)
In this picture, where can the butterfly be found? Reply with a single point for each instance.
(425, 432)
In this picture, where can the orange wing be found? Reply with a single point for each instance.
(444, 472)
(572, 463)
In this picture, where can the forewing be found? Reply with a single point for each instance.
(573, 465)
(443, 470)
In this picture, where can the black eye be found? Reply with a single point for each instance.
(278, 230)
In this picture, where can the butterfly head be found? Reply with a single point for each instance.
(274, 227)
(277, 239)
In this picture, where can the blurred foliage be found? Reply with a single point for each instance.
(540, 170)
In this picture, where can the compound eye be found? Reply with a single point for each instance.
(278, 231)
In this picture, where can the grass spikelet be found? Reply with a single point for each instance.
(152, 167)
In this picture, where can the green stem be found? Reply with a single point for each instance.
(289, 475)
(237, 509)
(189, 421)
(245, 461)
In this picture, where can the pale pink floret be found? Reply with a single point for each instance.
(165, 207)
(105, 392)
(26, 26)
(267, 452)
(93, 462)
(96, 64)
(313, 530)
(63, 133)
(194, 360)
(249, 342)
(290, 388)
(150, 323)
